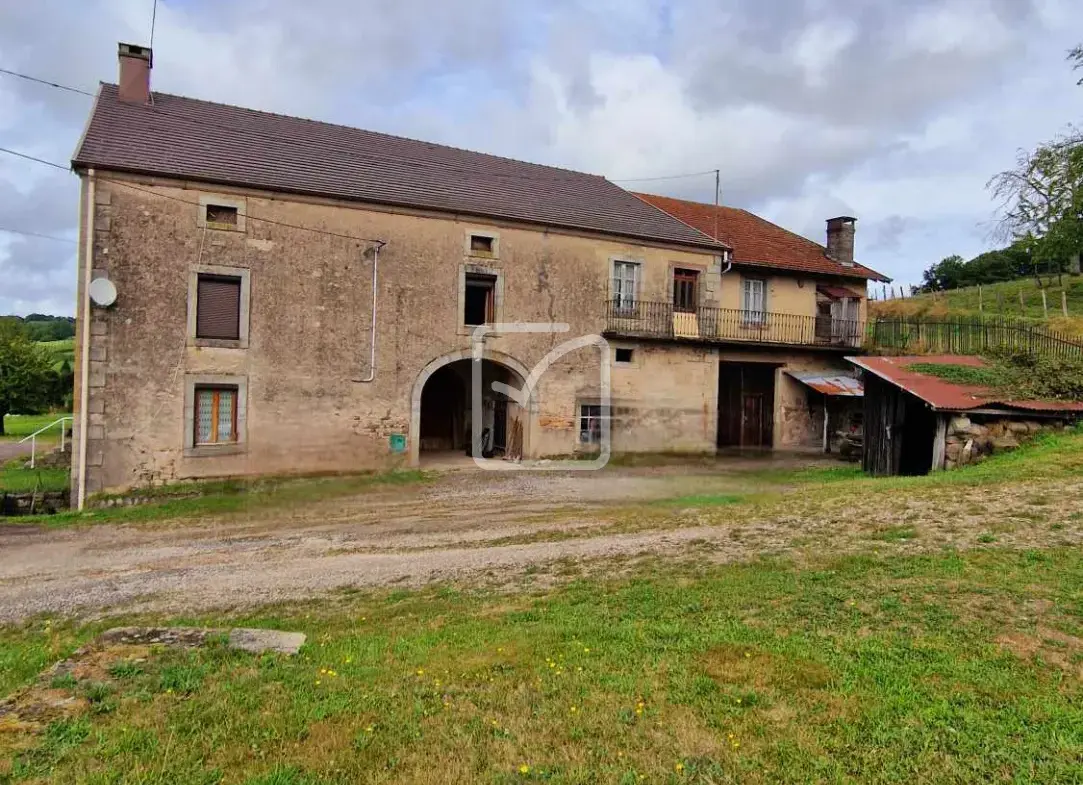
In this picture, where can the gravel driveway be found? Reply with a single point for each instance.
(470, 524)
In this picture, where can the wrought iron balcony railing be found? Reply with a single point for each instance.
(726, 325)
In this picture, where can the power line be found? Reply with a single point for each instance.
(35, 234)
(33, 158)
(664, 177)
(278, 139)
(197, 204)
(29, 78)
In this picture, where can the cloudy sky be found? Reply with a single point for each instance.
(896, 111)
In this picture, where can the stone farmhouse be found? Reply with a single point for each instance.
(266, 294)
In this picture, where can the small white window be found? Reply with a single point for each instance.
(625, 281)
(754, 301)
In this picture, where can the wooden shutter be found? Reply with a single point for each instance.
(218, 308)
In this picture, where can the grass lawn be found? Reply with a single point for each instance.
(956, 667)
(16, 478)
(17, 426)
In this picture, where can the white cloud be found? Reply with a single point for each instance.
(896, 112)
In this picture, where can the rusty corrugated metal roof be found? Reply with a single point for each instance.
(830, 384)
(943, 395)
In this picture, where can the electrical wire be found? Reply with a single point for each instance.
(248, 217)
(153, 19)
(404, 160)
(29, 78)
(663, 177)
(36, 234)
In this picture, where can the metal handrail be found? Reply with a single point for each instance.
(725, 325)
(33, 439)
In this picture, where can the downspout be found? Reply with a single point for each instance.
(375, 290)
(84, 371)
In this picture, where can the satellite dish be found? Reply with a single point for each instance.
(102, 292)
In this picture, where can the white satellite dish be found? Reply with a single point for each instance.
(102, 292)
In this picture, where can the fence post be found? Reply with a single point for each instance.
(1045, 305)
(981, 300)
(1022, 307)
(1064, 302)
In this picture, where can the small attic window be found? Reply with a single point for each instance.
(220, 216)
(481, 245)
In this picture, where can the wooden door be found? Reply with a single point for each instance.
(685, 294)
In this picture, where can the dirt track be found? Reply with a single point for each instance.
(480, 525)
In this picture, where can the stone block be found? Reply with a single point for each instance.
(260, 641)
(961, 424)
(99, 327)
(977, 429)
(97, 354)
(1018, 427)
(952, 451)
(1033, 426)
(1005, 442)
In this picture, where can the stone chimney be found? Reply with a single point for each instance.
(840, 240)
(134, 82)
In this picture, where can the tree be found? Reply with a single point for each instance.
(26, 378)
(1076, 58)
(945, 274)
(1041, 201)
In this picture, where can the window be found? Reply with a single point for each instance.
(590, 423)
(215, 415)
(220, 216)
(685, 283)
(218, 307)
(754, 301)
(625, 280)
(479, 306)
(624, 355)
(481, 245)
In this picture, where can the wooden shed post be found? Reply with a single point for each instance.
(940, 442)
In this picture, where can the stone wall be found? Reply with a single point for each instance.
(971, 439)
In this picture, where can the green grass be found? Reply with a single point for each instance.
(863, 669)
(965, 302)
(225, 497)
(16, 426)
(16, 477)
(61, 352)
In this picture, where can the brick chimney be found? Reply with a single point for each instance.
(134, 82)
(840, 240)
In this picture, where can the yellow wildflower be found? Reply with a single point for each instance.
(679, 768)
(524, 769)
(420, 671)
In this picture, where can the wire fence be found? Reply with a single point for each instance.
(976, 335)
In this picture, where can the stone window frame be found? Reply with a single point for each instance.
(191, 382)
(222, 200)
(244, 312)
(498, 295)
(470, 252)
(633, 363)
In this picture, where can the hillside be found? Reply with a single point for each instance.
(999, 299)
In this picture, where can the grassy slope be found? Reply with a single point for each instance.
(61, 351)
(964, 302)
(16, 478)
(953, 667)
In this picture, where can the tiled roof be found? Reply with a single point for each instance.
(943, 395)
(757, 242)
(217, 143)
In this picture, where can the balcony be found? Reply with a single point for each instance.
(662, 321)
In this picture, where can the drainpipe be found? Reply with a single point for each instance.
(84, 371)
(372, 352)
(727, 257)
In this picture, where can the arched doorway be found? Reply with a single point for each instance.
(441, 423)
